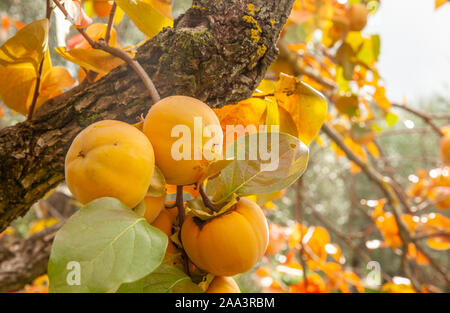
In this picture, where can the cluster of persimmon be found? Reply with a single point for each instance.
(115, 159)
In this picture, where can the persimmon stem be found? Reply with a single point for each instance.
(103, 45)
(181, 215)
(206, 200)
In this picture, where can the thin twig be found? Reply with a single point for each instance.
(425, 117)
(48, 13)
(427, 236)
(110, 23)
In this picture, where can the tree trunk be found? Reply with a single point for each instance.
(217, 52)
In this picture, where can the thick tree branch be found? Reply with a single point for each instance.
(24, 260)
(211, 53)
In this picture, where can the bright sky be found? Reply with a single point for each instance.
(415, 48)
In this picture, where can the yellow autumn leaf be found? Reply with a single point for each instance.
(397, 288)
(147, 18)
(28, 45)
(42, 224)
(272, 113)
(286, 123)
(307, 106)
(163, 7)
(92, 59)
(439, 3)
(16, 92)
(53, 83)
(20, 58)
(266, 87)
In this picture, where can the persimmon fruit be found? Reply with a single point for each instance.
(163, 118)
(221, 284)
(229, 244)
(357, 15)
(164, 222)
(110, 159)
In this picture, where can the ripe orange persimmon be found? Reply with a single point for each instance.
(110, 159)
(229, 244)
(445, 150)
(153, 207)
(171, 125)
(357, 15)
(164, 222)
(222, 284)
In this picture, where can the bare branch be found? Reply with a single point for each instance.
(425, 117)
(103, 45)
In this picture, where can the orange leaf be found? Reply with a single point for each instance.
(314, 284)
(96, 32)
(439, 3)
(92, 59)
(416, 255)
(53, 83)
(353, 279)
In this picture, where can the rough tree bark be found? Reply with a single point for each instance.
(23, 260)
(217, 52)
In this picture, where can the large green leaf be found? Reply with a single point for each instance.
(112, 245)
(248, 174)
(169, 279)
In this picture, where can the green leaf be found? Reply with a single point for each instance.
(112, 245)
(169, 279)
(147, 18)
(248, 174)
(134, 287)
(180, 7)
